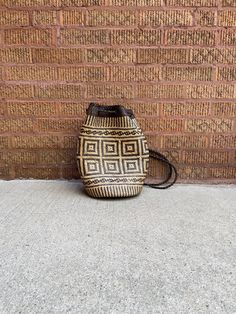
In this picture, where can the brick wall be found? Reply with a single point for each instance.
(172, 61)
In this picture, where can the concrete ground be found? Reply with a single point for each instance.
(165, 251)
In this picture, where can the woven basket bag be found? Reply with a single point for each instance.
(112, 153)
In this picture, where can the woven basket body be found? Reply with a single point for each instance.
(112, 152)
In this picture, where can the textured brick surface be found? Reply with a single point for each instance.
(14, 18)
(72, 17)
(29, 3)
(27, 108)
(111, 18)
(44, 17)
(206, 17)
(43, 37)
(57, 55)
(15, 55)
(227, 18)
(171, 61)
(166, 18)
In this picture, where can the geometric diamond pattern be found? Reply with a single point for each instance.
(110, 148)
(130, 148)
(92, 166)
(111, 166)
(91, 147)
(107, 161)
(132, 165)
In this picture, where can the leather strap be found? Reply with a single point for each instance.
(171, 171)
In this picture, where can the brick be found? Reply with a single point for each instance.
(193, 173)
(223, 141)
(161, 125)
(82, 3)
(228, 3)
(162, 55)
(36, 172)
(59, 91)
(111, 18)
(156, 171)
(59, 125)
(69, 142)
(173, 156)
(206, 18)
(186, 109)
(5, 172)
(227, 18)
(228, 37)
(31, 36)
(154, 141)
(44, 18)
(73, 17)
(136, 3)
(57, 55)
(31, 109)
(209, 125)
(136, 37)
(31, 73)
(193, 37)
(15, 55)
(160, 91)
(213, 56)
(135, 74)
(205, 157)
(210, 91)
(226, 74)
(84, 37)
(109, 55)
(22, 157)
(224, 109)
(2, 75)
(4, 142)
(73, 109)
(223, 173)
(165, 18)
(14, 18)
(184, 141)
(16, 91)
(70, 172)
(187, 73)
(16, 125)
(31, 3)
(192, 3)
(2, 108)
(35, 141)
(145, 109)
(83, 74)
(104, 91)
(61, 156)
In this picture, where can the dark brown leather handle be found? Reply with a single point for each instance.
(171, 171)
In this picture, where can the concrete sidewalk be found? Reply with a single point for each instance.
(170, 251)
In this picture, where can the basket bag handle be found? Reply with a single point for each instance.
(171, 171)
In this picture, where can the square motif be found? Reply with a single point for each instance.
(131, 166)
(111, 166)
(110, 148)
(144, 146)
(145, 164)
(130, 148)
(91, 147)
(91, 166)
